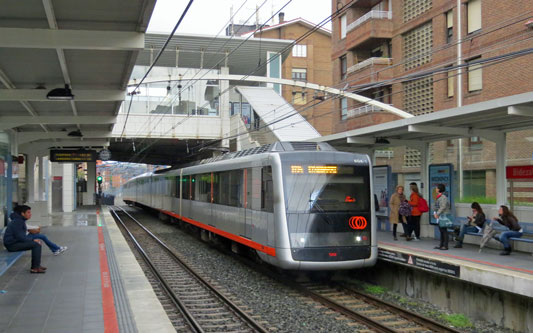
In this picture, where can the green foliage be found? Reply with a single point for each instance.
(375, 290)
(457, 320)
(481, 200)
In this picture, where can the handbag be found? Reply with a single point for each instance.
(445, 221)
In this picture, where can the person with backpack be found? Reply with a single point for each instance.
(475, 223)
(419, 206)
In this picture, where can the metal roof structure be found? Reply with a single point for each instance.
(90, 45)
(485, 119)
(204, 51)
(270, 107)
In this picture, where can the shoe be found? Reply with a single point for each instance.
(458, 246)
(43, 268)
(437, 247)
(403, 235)
(416, 239)
(61, 250)
(37, 270)
(443, 248)
(395, 238)
(505, 253)
(408, 238)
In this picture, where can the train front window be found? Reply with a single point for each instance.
(327, 188)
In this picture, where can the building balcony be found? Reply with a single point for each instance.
(374, 24)
(370, 70)
(367, 108)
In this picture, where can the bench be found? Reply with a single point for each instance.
(526, 226)
(7, 259)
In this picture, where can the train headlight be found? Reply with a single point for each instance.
(358, 238)
(302, 240)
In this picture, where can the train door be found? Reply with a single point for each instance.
(253, 200)
(246, 203)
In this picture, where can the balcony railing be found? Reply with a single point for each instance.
(367, 108)
(370, 62)
(373, 14)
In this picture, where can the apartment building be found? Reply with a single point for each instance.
(407, 52)
(309, 61)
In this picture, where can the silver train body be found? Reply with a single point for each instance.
(301, 206)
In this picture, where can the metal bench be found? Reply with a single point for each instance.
(526, 226)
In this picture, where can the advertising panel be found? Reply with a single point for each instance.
(440, 174)
(382, 188)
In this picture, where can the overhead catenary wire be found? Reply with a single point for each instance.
(155, 61)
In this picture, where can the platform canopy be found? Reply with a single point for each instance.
(245, 54)
(90, 45)
(486, 119)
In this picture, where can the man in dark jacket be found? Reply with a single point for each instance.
(15, 238)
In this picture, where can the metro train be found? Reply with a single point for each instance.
(299, 205)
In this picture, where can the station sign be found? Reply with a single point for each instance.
(72, 156)
(519, 172)
(424, 263)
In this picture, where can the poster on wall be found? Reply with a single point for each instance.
(382, 188)
(440, 174)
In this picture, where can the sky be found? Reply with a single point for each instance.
(208, 17)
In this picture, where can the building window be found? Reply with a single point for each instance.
(475, 143)
(450, 82)
(449, 26)
(474, 15)
(299, 51)
(344, 67)
(299, 98)
(299, 74)
(344, 108)
(343, 26)
(475, 75)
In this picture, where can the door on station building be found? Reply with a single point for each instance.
(57, 194)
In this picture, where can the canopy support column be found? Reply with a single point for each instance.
(426, 230)
(501, 180)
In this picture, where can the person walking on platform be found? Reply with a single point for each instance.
(414, 220)
(443, 216)
(507, 218)
(394, 213)
(15, 238)
(475, 223)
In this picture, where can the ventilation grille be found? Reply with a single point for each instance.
(418, 44)
(304, 146)
(253, 151)
(418, 96)
(414, 8)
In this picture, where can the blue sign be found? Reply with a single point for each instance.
(440, 174)
(382, 181)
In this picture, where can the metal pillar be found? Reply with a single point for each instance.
(40, 180)
(426, 230)
(30, 178)
(224, 107)
(501, 181)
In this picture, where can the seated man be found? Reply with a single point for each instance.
(15, 238)
(35, 233)
(475, 223)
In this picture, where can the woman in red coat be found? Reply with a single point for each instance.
(414, 219)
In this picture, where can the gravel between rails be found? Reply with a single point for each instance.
(284, 309)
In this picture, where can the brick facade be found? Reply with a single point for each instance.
(503, 31)
(318, 66)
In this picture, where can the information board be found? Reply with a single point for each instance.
(72, 156)
(382, 188)
(427, 264)
(440, 174)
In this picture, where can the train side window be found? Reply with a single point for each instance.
(235, 188)
(185, 186)
(203, 193)
(171, 181)
(218, 191)
(223, 186)
(248, 188)
(267, 190)
(192, 187)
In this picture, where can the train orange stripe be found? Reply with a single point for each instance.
(254, 245)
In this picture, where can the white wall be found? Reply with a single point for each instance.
(69, 187)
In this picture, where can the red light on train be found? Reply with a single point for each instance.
(357, 222)
(333, 254)
(349, 199)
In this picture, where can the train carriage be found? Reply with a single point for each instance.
(301, 206)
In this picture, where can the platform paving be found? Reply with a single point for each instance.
(68, 297)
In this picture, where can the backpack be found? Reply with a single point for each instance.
(423, 205)
(405, 209)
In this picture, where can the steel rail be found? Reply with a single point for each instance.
(189, 318)
(243, 315)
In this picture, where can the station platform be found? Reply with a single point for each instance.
(487, 268)
(95, 286)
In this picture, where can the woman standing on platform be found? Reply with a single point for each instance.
(414, 219)
(508, 219)
(394, 213)
(443, 216)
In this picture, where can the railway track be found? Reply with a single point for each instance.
(203, 307)
(377, 315)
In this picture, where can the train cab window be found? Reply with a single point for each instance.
(267, 190)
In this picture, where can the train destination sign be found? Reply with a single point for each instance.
(315, 169)
(72, 156)
(427, 264)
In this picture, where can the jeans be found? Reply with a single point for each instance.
(28, 245)
(414, 225)
(51, 245)
(443, 237)
(464, 229)
(504, 238)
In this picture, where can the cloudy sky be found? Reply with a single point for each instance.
(208, 17)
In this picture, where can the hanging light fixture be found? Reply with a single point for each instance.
(60, 94)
